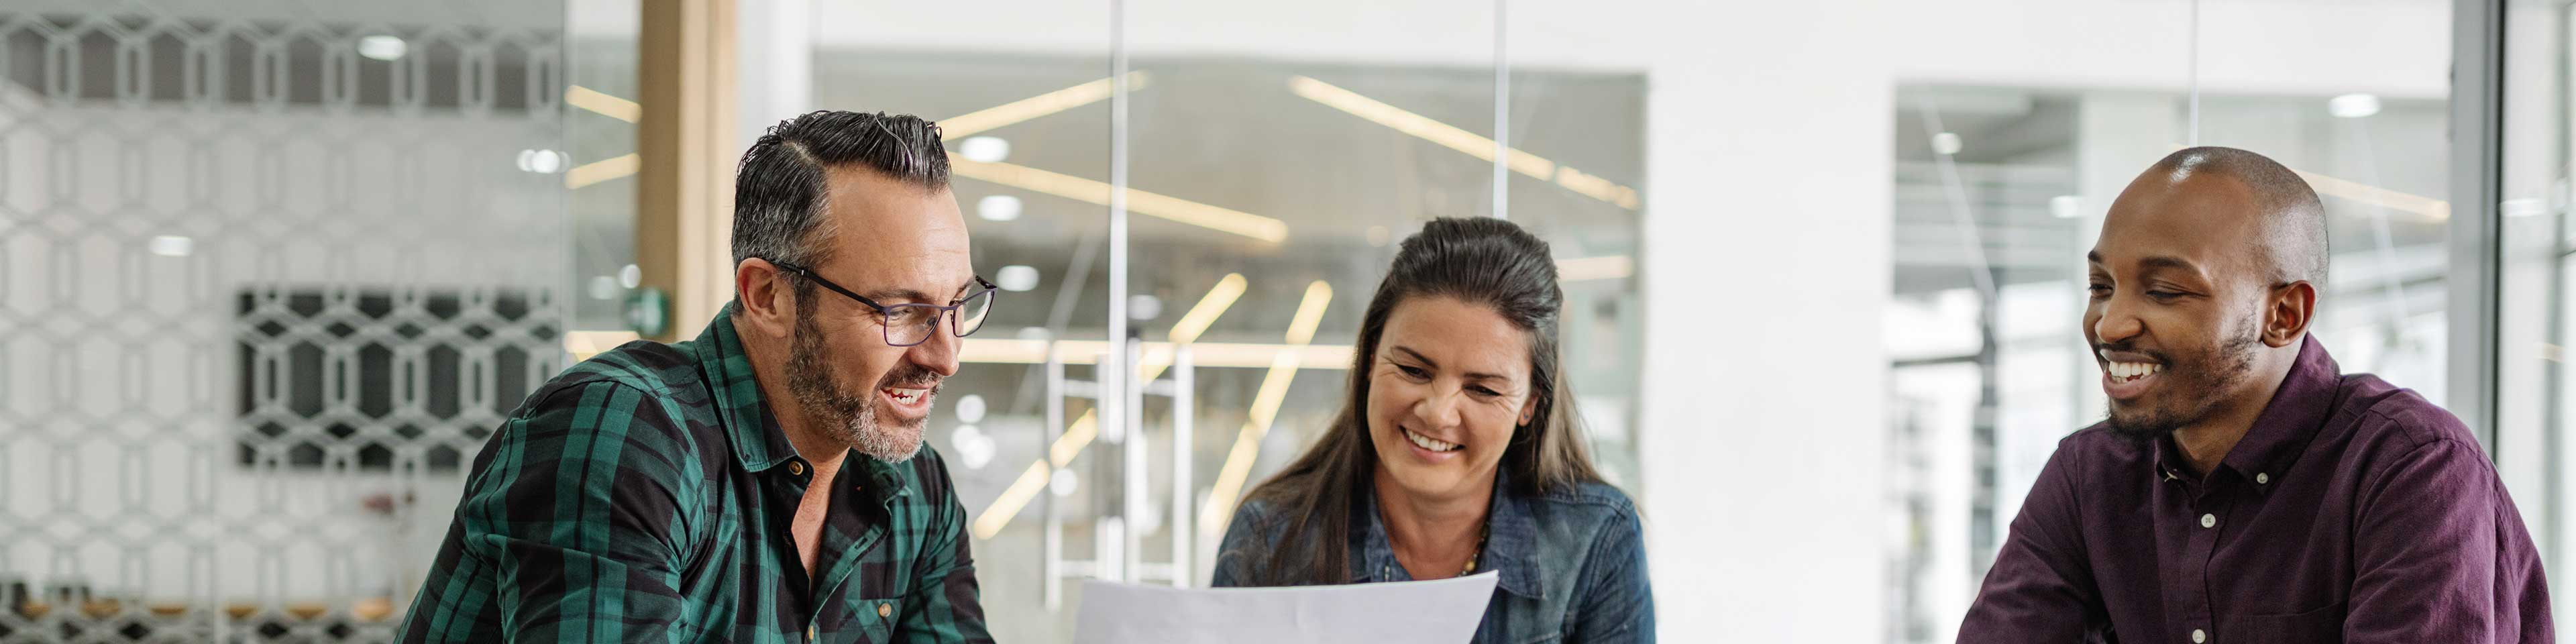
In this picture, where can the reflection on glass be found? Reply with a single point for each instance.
(2533, 392)
(2000, 192)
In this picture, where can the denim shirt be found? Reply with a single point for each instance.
(1572, 563)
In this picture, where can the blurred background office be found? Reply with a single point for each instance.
(271, 270)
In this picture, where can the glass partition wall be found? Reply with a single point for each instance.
(1262, 198)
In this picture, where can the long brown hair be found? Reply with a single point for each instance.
(1487, 262)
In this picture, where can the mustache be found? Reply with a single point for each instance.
(911, 376)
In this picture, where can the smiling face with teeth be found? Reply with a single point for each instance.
(2188, 307)
(1447, 389)
(894, 243)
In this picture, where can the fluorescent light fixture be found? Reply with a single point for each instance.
(986, 149)
(1607, 267)
(382, 47)
(2428, 207)
(998, 208)
(986, 119)
(1244, 355)
(1469, 143)
(1945, 143)
(1187, 329)
(2353, 106)
(603, 104)
(1012, 499)
(1035, 477)
(2066, 206)
(1138, 201)
(1265, 409)
(172, 246)
(2330, 186)
(588, 174)
(1016, 278)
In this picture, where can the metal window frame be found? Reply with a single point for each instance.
(2476, 245)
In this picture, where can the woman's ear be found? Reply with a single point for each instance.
(1529, 410)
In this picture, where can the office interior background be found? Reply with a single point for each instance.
(271, 270)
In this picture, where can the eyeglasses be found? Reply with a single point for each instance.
(911, 324)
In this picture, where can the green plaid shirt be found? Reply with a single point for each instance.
(645, 495)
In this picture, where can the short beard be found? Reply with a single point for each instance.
(2210, 377)
(850, 420)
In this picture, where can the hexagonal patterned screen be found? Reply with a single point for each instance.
(269, 271)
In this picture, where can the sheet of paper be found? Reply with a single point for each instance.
(1441, 611)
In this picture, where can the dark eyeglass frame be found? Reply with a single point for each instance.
(956, 319)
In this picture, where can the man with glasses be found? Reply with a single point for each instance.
(2244, 488)
(765, 482)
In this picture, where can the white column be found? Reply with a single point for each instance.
(776, 49)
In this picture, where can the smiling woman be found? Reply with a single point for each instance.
(1457, 440)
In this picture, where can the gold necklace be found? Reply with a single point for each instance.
(1481, 535)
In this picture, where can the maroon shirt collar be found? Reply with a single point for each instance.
(2306, 399)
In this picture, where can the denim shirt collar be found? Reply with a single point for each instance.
(1510, 542)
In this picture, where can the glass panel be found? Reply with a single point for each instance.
(1321, 165)
(1024, 103)
(2533, 393)
(1999, 193)
(1585, 196)
(272, 271)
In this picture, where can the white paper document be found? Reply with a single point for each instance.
(1440, 611)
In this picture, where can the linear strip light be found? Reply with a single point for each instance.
(1265, 408)
(1033, 479)
(603, 104)
(987, 119)
(1138, 201)
(584, 175)
(1450, 136)
(1070, 445)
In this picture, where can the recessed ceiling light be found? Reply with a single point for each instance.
(541, 161)
(1016, 278)
(984, 149)
(998, 208)
(2353, 106)
(2065, 206)
(1945, 143)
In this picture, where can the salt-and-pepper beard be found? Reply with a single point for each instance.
(851, 420)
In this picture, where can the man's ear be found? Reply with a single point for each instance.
(2287, 310)
(767, 304)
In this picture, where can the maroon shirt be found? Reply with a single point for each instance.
(2353, 511)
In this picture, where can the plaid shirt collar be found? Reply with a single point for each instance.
(758, 442)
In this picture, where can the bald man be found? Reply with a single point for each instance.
(2244, 489)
